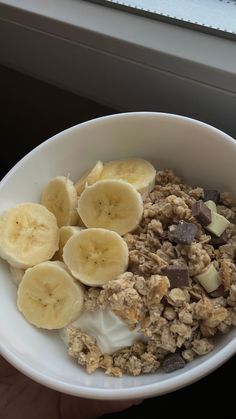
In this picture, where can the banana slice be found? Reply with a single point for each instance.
(96, 256)
(89, 177)
(65, 233)
(28, 235)
(60, 197)
(112, 204)
(49, 297)
(16, 274)
(138, 172)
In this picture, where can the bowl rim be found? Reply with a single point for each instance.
(138, 392)
(142, 391)
(121, 115)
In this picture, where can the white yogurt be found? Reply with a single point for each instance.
(109, 330)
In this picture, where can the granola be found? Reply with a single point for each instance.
(173, 320)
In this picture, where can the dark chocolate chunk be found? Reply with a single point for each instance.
(202, 213)
(185, 233)
(173, 362)
(211, 195)
(219, 292)
(219, 241)
(178, 275)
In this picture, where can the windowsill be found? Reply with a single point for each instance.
(179, 50)
(119, 58)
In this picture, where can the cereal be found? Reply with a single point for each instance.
(169, 253)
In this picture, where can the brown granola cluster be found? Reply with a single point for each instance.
(173, 320)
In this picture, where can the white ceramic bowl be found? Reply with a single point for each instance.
(200, 153)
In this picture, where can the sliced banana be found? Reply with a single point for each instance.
(65, 233)
(89, 177)
(96, 256)
(49, 297)
(28, 235)
(138, 172)
(60, 197)
(112, 204)
(16, 274)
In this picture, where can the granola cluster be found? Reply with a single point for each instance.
(181, 320)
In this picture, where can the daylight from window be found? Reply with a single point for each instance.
(216, 14)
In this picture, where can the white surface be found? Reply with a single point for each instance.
(110, 332)
(126, 61)
(212, 13)
(120, 33)
(202, 154)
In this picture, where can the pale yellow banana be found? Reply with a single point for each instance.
(89, 177)
(65, 233)
(95, 256)
(138, 172)
(49, 297)
(112, 204)
(60, 197)
(28, 235)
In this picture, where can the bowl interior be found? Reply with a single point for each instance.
(201, 154)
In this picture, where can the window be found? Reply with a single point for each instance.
(217, 16)
(121, 59)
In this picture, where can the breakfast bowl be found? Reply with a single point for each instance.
(199, 153)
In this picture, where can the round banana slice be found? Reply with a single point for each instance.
(60, 197)
(28, 235)
(65, 233)
(138, 172)
(16, 274)
(89, 177)
(96, 256)
(112, 204)
(49, 297)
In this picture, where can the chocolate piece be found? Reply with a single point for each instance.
(185, 233)
(211, 195)
(218, 224)
(219, 292)
(177, 275)
(202, 213)
(173, 362)
(219, 241)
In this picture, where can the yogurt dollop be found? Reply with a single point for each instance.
(109, 330)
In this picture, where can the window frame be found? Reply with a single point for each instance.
(124, 47)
